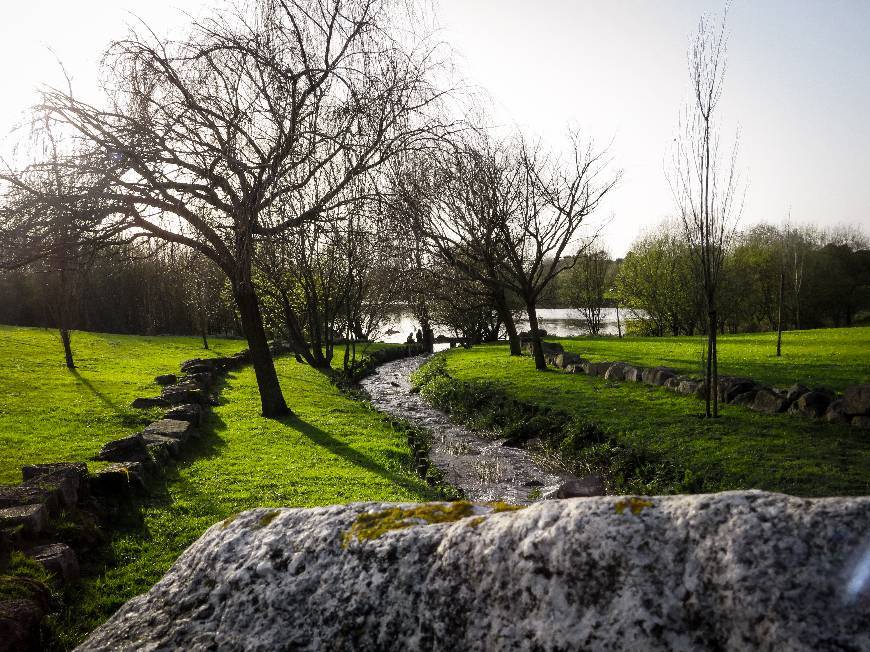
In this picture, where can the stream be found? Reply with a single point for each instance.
(480, 466)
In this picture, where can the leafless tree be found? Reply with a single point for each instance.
(547, 200)
(706, 191)
(264, 106)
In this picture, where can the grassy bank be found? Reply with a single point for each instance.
(833, 357)
(334, 450)
(49, 413)
(743, 449)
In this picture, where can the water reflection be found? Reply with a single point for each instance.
(559, 322)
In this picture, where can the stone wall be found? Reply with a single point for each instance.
(850, 407)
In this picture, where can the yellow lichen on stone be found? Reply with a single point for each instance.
(374, 524)
(499, 506)
(635, 504)
(228, 520)
(268, 517)
(477, 520)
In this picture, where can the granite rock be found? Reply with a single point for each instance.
(730, 571)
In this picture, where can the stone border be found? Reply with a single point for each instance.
(820, 403)
(135, 461)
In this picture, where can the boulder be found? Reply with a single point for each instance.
(174, 428)
(861, 421)
(673, 382)
(633, 374)
(731, 571)
(836, 412)
(70, 479)
(161, 447)
(598, 368)
(57, 558)
(126, 449)
(730, 387)
(856, 399)
(32, 493)
(565, 358)
(146, 403)
(811, 404)
(657, 375)
(182, 393)
(32, 519)
(616, 371)
(203, 380)
(118, 480)
(590, 485)
(190, 412)
(690, 386)
(166, 379)
(769, 401)
(746, 398)
(796, 391)
(20, 620)
(198, 365)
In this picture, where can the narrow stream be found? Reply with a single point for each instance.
(480, 466)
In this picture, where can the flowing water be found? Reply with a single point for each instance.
(480, 466)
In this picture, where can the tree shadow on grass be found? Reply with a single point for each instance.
(349, 454)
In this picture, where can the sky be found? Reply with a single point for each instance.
(797, 87)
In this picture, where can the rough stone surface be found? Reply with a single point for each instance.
(731, 571)
(657, 375)
(126, 449)
(856, 399)
(118, 480)
(190, 412)
(796, 391)
(689, 386)
(633, 374)
(69, 478)
(19, 625)
(812, 404)
(160, 446)
(590, 485)
(615, 371)
(731, 387)
(145, 403)
(166, 379)
(57, 558)
(769, 402)
(745, 399)
(31, 493)
(565, 358)
(174, 428)
(31, 518)
(182, 393)
(598, 368)
(835, 412)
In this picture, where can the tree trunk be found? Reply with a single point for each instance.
(67, 348)
(779, 314)
(271, 398)
(715, 370)
(618, 323)
(509, 324)
(537, 348)
(708, 375)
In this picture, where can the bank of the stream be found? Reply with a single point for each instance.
(644, 438)
(335, 449)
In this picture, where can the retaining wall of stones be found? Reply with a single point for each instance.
(821, 403)
(135, 461)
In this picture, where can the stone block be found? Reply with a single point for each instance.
(70, 479)
(174, 428)
(126, 449)
(856, 400)
(146, 403)
(32, 519)
(769, 401)
(615, 371)
(58, 559)
(190, 412)
(166, 379)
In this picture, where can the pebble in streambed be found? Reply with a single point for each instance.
(482, 468)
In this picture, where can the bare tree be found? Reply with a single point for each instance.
(548, 199)
(266, 106)
(704, 191)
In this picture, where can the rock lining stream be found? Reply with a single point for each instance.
(480, 466)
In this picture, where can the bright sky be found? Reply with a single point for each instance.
(798, 86)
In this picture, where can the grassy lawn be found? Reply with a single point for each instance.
(742, 449)
(334, 450)
(49, 414)
(833, 357)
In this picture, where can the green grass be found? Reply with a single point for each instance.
(334, 450)
(49, 413)
(741, 450)
(833, 357)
